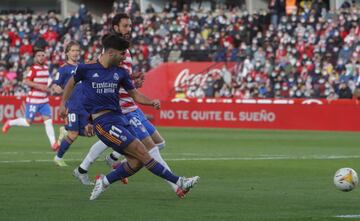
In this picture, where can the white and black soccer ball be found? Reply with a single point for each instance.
(346, 179)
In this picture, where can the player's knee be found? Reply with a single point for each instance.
(157, 138)
(73, 135)
(135, 164)
(47, 120)
(161, 145)
(148, 142)
(138, 150)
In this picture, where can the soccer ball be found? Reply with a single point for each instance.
(346, 179)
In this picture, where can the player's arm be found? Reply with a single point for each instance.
(142, 99)
(56, 89)
(138, 79)
(56, 84)
(37, 86)
(66, 95)
(138, 97)
(79, 74)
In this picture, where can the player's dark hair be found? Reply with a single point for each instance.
(36, 50)
(69, 45)
(114, 41)
(117, 18)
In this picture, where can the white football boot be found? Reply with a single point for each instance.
(83, 178)
(187, 183)
(99, 187)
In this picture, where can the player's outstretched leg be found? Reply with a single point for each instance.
(64, 146)
(82, 177)
(155, 153)
(49, 129)
(112, 158)
(139, 152)
(6, 127)
(156, 136)
(81, 172)
(124, 170)
(16, 122)
(62, 133)
(138, 157)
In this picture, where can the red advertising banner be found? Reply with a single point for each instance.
(284, 114)
(331, 116)
(300, 114)
(13, 107)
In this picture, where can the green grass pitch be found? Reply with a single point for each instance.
(247, 175)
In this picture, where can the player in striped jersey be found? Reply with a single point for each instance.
(37, 100)
(145, 131)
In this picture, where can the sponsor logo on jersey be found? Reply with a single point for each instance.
(116, 76)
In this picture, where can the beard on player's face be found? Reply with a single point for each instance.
(127, 36)
(124, 35)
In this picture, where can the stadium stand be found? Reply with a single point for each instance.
(311, 53)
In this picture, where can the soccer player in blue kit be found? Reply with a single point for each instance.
(101, 83)
(77, 117)
(144, 130)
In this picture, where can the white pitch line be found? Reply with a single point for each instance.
(348, 216)
(211, 159)
(39, 152)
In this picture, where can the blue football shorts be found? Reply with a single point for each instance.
(140, 123)
(32, 109)
(76, 121)
(114, 130)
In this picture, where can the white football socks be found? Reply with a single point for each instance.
(105, 181)
(50, 131)
(155, 153)
(94, 152)
(161, 145)
(19, 122)
(117, 155)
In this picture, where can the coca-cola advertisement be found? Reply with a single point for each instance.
(170, 79)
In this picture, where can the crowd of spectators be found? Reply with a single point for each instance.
(313, 52)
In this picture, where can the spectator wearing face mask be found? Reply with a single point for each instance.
(344, 91)
(293, 45)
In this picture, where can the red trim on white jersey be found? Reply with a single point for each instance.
(127, 104)
(38, 74)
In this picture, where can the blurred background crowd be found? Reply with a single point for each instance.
(312, 52)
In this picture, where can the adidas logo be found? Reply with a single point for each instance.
(96, 75)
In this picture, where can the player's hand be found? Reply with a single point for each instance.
(63, 111)
(156, 104)
(138, 78)
(43, 88)
(56, 89)
(89, 130)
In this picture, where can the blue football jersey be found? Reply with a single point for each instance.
(74, 104)
(101, 86)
